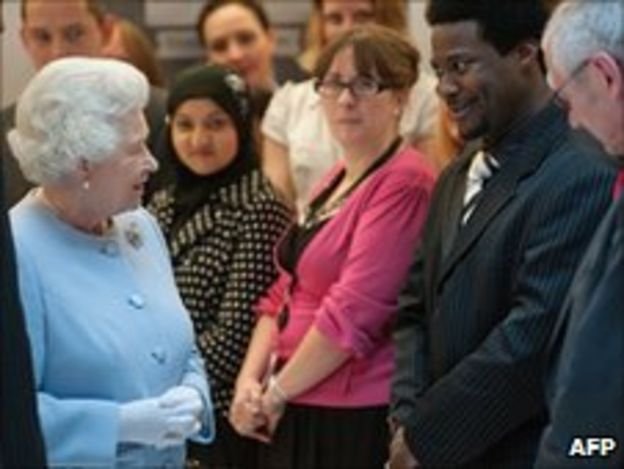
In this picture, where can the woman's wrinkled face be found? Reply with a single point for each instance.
(204, 136)
(118, 182)
(235, 38)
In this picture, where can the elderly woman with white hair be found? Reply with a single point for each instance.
(118, 378)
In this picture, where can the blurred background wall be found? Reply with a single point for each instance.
(171, 25)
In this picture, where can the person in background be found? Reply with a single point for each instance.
(330, 18)
(221, 220)
(508, 224)
(119, 381)
(238, 34)
(130, 43)
(298, 146)
(316, 379)
(584, 49)
(63, 28)
(21, 444)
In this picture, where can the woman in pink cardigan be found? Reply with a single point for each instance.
(315, 383)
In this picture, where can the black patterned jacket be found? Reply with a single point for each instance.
(223, 262)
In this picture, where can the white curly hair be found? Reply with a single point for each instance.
(577, 29)
(72, 111)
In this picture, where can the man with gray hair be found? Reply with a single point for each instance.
(584, 51)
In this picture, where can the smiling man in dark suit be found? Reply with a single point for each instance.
(508, 223)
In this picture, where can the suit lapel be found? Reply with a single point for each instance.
(520, 160)
(452, 206)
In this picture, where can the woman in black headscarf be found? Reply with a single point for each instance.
(221, 220)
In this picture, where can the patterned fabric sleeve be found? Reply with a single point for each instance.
(251, 271)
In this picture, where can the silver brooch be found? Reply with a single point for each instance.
(134, 236)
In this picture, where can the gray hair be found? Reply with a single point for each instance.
(72, 111)
(580, 28)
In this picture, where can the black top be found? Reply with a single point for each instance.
(222, 259)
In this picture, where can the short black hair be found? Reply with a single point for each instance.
(503, 23)
(210, 7)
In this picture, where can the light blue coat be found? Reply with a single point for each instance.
(106, 326)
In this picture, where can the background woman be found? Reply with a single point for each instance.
(329, 18)
(221, 220)
(119, 381)
(237, 34)
(298, 145)
(328, 317)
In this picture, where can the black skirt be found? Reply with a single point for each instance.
(310, 437)
(228, 451)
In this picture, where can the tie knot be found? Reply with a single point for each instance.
(483, 166)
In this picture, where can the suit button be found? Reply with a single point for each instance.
(136, 301)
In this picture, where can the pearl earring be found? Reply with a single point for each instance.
(86, 185)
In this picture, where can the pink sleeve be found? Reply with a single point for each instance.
(271, 302)
(358, 310)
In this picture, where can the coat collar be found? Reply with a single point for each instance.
(520, 154)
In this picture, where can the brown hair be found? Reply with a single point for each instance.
(140, 51)
(389, 13)
(93, 6)
(377, 50)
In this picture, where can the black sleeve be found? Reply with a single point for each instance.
(21, 443)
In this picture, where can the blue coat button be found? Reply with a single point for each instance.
(136, 301)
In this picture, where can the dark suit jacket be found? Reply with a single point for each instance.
(481, 300)
(586, 392)
(17, 185)
(21, 444)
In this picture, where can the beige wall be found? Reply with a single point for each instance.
(16, 68)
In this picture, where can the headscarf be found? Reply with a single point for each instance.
(228, 90)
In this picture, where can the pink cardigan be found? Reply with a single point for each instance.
(349, 277)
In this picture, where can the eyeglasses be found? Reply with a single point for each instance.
(557, 96)
(359, 87)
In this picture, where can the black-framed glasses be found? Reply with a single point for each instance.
(361, 87)
(557, 96)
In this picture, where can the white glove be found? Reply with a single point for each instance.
(161, 424)
(187, 405)
(184, 401)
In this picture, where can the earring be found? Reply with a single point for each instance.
(86, 185)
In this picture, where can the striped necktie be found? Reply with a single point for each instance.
(482, 168)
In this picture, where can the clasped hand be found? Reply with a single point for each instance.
(255, 411)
